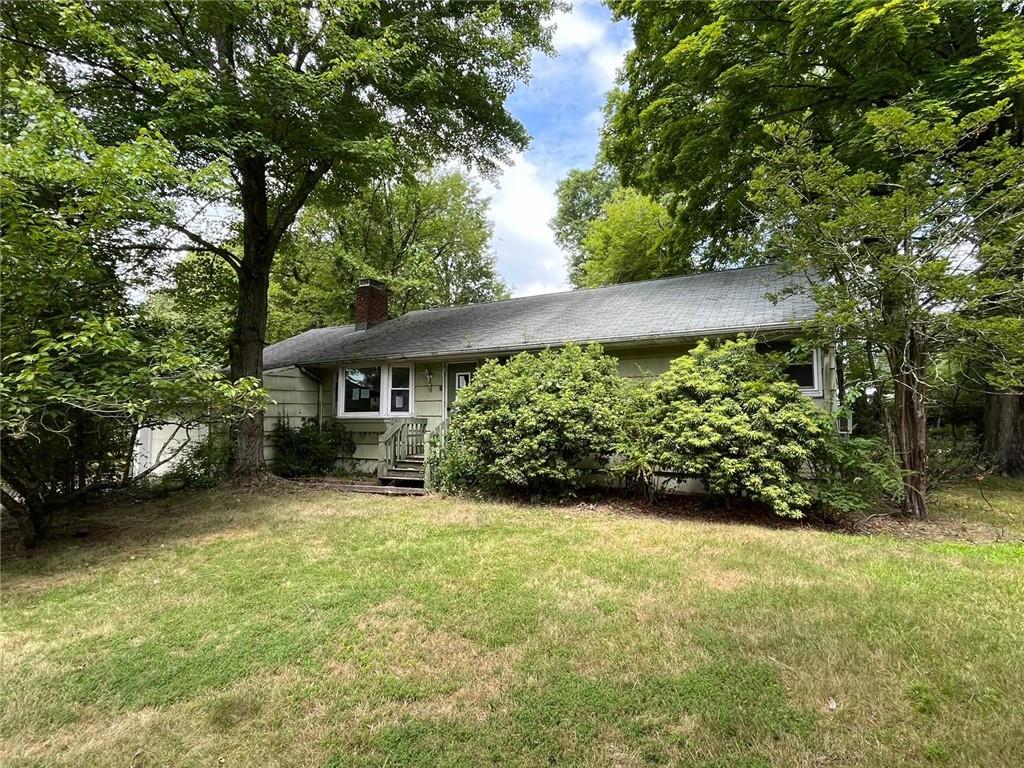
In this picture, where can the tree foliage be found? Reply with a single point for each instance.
(581, 197)
(80, 375)
(713, 97)
(911, 261)
(627, 242)
(538, 423)
(284, 95)
(196, 303)
(427, 238)
(704, 80)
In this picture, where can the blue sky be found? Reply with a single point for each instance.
(561, 108)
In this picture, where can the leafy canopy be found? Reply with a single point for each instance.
(282, 96)
(427, 237)
(79, 374)
(581, 196)
(628, 241)
(704, 80)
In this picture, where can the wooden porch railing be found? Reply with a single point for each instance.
(434, 447)
(400, 440)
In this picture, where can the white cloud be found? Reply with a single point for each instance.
(605, 61)
(537, 288)
(577, 33)
(524, 201)
(561, 106)
(522, 204)
(574, 29)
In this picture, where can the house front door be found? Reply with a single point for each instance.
(458, 376)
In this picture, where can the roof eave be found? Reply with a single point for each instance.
(618, 341)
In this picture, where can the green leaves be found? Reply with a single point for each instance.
(628, 241)
(538, 423)
(427, 237)
(724, 414)
(705, 82)
(79, 372)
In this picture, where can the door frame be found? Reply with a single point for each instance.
(444, 379)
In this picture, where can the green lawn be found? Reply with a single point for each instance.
(316, 628)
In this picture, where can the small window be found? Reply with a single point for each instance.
(801, 366)
(362, 390)
(401, 395)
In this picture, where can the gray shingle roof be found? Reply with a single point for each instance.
(652, 310)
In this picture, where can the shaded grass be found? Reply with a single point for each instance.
(997, 501)
(318, 628)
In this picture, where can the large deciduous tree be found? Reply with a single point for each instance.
(909, 263)
(704, 80)
(628, 242)
(79, 375)
(286, 94)
(427, 237)
(581, 196)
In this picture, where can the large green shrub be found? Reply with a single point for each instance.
(538, 423)
(725, 414)
(311, 449)
(635, 463)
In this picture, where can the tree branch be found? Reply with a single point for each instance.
(206, 245)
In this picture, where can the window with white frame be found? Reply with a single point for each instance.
(400, 386)
(361, 390)
(803, 365)
(378, 390)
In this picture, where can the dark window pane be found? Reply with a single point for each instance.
(801, 369)
(399, 378)
(399, 400)
(802, 374)
(362, 390)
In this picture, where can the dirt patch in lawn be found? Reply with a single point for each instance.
(934, 530)
(743, 512)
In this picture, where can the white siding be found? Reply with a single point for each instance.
(154, 444)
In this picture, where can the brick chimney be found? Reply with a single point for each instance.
(371, 303)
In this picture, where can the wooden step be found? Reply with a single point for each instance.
(405, 469)
(405, 481)
(387, 490)
(408, 466)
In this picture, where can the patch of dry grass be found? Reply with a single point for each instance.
(315, 628)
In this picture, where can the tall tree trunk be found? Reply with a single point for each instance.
(247, 360)
(261, 235)
(1004, 432)
(907, 361)
(248, 337)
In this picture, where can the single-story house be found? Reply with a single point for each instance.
(392, 381)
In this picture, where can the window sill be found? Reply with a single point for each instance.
(370, 415)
